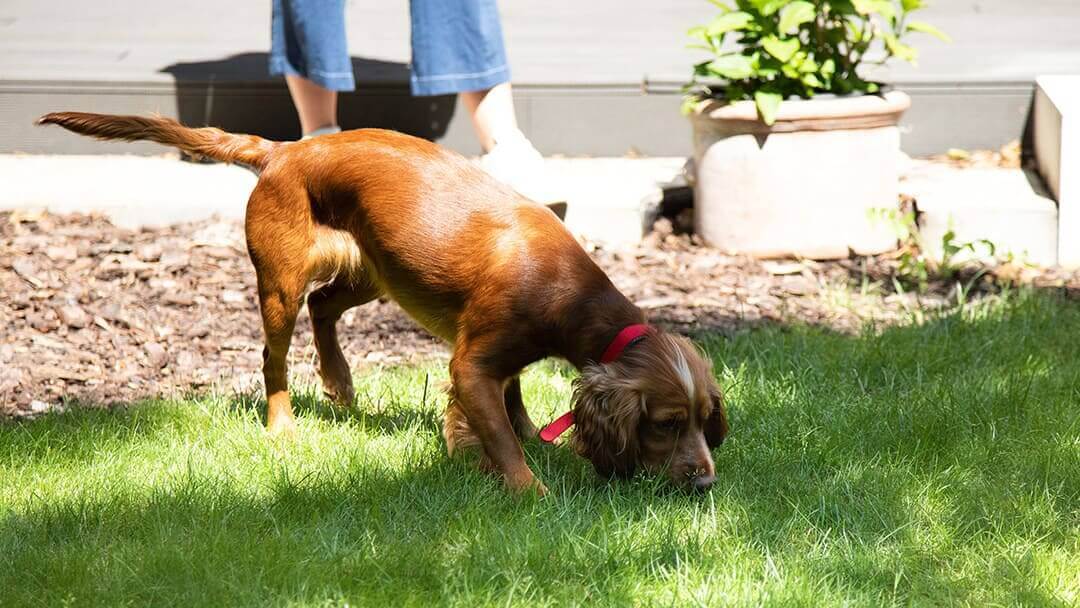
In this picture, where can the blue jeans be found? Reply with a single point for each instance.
(457, 45)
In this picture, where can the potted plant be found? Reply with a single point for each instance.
(793, 144)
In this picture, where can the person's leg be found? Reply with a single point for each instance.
(309, 48)
(316, 106)
(492, 112)
(458, 48)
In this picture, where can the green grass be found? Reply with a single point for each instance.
(933, 464)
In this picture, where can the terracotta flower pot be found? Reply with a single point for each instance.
(804, 186)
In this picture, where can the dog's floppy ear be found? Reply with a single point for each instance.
(716, 426)
(607, 410)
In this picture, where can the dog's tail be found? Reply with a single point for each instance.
(209, 142)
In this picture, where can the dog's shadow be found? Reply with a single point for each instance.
(383, 414)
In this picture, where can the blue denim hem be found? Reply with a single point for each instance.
(335, 81)
(443, 84)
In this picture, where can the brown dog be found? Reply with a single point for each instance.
(345, 218)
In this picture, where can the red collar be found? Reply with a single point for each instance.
(627, 337)
(631, 334)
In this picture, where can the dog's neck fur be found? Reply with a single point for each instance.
(595, 323)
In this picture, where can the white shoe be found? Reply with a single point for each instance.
(515, 162)
(329, 130)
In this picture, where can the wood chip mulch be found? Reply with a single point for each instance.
(99, 315)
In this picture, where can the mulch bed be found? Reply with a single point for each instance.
(100, 315)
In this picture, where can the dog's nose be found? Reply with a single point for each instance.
(702, 482)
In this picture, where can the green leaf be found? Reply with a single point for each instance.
(842, 7)
(885, 8)
(828, 68)
(689, 104)
(729, 22)
(854, 33)
(781, 49)
(723, 5)
(733, 66)
(808, 65)
(768, 7)
(768, 103)
(926, 28)
(765, 66)
(813, 81)
(735, 92)
(796, 14)
(911, 5)
(900, 49)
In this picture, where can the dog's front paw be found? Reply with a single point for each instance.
(536, 487)
(523, 484)
(341, 395)
(282, 427)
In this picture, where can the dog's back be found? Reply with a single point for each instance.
(429, 227)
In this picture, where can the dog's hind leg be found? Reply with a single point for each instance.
(326, 306)
(278, 240)
(280, 302)
(515, 408)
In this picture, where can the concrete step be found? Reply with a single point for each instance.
(132, 191)
(612, 201)
(1056, 138)
(1007, 207)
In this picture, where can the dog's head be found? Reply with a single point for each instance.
(657, 407)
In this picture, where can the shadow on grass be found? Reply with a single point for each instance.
(913, 449)
(308, 401)
(931, 463)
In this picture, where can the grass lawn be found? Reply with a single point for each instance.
(931, 464)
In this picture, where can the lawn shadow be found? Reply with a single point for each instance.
(78, 434)
(874, 463)
(951, 434)
(384, 413)
(189, 538)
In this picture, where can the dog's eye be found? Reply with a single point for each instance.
(671, 424)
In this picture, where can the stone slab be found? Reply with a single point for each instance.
(612, 201)
(1056, 139)
(132, 191)
(1008, 207)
